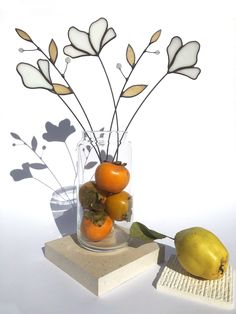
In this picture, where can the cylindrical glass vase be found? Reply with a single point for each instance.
(104, 190)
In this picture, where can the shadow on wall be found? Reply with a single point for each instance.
(65, 212)
(63, 201)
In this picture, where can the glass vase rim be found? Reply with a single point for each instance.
(84, 132)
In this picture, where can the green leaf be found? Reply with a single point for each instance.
(141, 232)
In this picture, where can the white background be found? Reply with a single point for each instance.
(184, 141)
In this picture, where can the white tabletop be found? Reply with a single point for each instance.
(31, 284)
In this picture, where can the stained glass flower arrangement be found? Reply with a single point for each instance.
(182, 59)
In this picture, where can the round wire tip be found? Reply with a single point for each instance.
(21, 50)
(118, 66)
(68, 59)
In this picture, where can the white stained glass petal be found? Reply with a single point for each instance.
(31, 76)
(186, 57)
(44, 67)
(80, 40)
(73, 53)
(173, 47)
(110, 34)
(190, 72)
(96, 32)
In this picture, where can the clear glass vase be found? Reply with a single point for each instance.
(105, 201)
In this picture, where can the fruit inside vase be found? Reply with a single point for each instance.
(105, 202)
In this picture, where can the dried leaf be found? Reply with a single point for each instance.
(155, 36)
(34, 143)
(141, 232)
(16, 136)
(37, 166)
(133, 90)
(23, 34)
(53, 51)
(61, 89)
(90, 165)
(130, 55)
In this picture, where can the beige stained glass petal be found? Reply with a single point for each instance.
(61, 89)
(155, 37)
(53, 51)
(130, 55)
(110, 34)
(44, 67)
(23, 34)
(97, 31)
(173, 47)
(190, 72)
(133, 90)
(73, 53)
(80, 40)
(32, 77)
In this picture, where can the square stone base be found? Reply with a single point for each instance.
(102, 271)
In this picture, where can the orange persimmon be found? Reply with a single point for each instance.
(96, 231)
(119, 206)
(112, 177)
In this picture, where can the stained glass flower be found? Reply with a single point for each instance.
(33, 77)
(58, 133)
(182, 58)
(91, 43)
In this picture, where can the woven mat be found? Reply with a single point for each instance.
(173, 279)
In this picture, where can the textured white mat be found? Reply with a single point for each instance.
(175, 280)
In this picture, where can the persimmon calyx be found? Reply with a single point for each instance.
(117, 163)
(96, 217)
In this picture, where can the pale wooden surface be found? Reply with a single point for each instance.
(100, 272)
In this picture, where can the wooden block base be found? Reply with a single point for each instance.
(101, 271)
